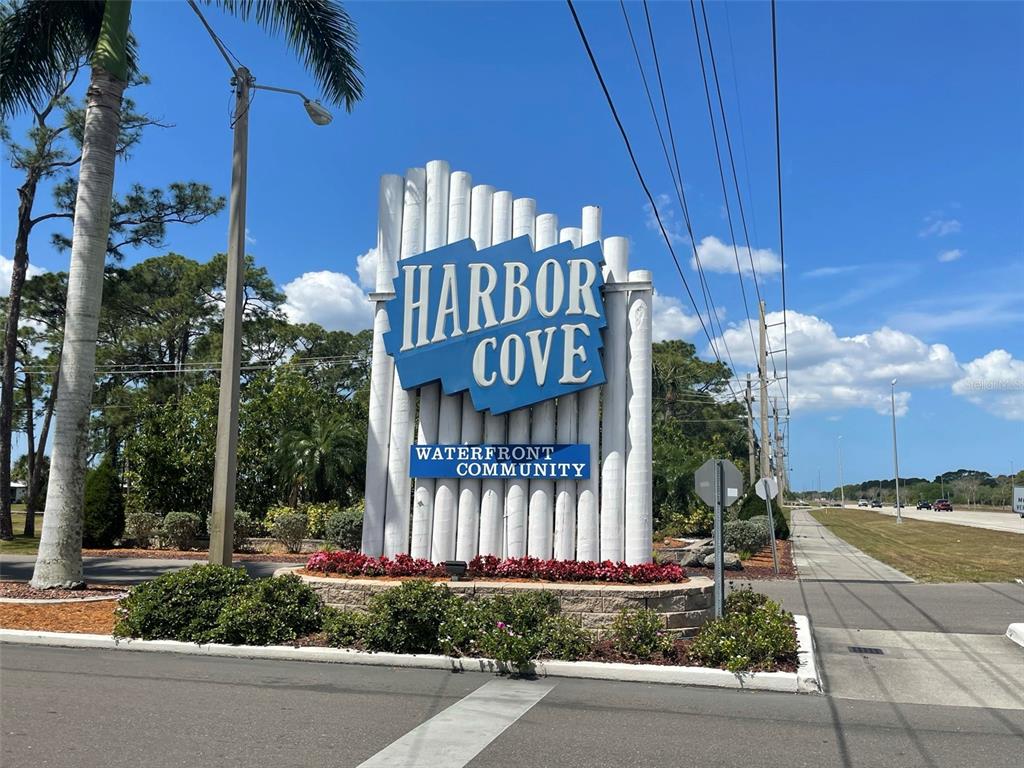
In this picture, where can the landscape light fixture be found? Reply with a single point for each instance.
(456, 569)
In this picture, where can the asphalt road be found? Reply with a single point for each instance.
(994, 521)
(79, 708)
(122, 570)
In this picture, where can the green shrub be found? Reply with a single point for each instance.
(270, 611)
(103, 519)
(245, 526)
(564, 638)
(752, 506)
(317, 516)
(344, 527)
(180, 529)
(344, 629)
(406, 619)
(516, 628)
(182, 605)
(289, 528)
(744, 536)
(753, 635)
(141, 527)
(744, 600)
(463, 624)
(640, 633)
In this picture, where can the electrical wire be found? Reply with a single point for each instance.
(778, 173)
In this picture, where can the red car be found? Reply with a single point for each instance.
(942, 505)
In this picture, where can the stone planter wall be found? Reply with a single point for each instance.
(684, 607)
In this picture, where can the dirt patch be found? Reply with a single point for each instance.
(22, 591)
(758, 567)
(94, 618)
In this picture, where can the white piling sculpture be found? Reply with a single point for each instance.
(524, 214)
(607, 516)
(588, 500)
(567, 432)
(382, 367)
(613, 415)
(492, 502)
(542, 430)
(435, 235)
(403, 402)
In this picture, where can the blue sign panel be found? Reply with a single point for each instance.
(553, 462)
(512, 325)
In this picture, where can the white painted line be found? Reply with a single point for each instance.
(1016, 633)
(455, 736)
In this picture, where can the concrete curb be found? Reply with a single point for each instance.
(802, 681)
(807, 679)
(1016, 633)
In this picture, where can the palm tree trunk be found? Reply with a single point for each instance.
(59, 563)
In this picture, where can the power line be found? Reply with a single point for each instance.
(639, 173)
(778, 174)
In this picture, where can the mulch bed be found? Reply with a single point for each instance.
(94, 618)
(195, 554)
(758, 567)
(20, 590)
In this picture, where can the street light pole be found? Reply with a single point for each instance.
(842, 490)
(222, 513)
(895, 452)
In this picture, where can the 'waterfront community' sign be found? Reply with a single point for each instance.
(556, 462)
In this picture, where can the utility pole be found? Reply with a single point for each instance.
(751, 459)
(842, 489)
(222, 514)
(762, 369)
(895, 453)
(780, 453)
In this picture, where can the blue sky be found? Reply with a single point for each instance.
(903, 174)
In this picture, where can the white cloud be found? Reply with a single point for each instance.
(996, 383)
(831, 271)
(993, 309)
(828, 371)
(7, 269)
(671, 321)
(951, 255)
(249, 237)
(669, 219)
(331, 299)
(366, 268)
(935, 225)
(716, 256)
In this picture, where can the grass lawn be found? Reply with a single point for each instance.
(930, 552)
(22, 545)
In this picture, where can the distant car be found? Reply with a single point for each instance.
(923, 505)
(876, 504)
(862, 503)
(942, 505)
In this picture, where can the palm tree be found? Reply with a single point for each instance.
(36, 37)
(316, 459)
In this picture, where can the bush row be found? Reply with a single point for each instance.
(286, 525)
(209, 603)
(351, 563)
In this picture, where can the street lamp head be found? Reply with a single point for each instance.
(894, 382)
(317, 113)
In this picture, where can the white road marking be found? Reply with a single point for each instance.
(455, 736)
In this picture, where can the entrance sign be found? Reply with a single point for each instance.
(1018, 500)
(512, 325)
(495, 329)
(559, 462)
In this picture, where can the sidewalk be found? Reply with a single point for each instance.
(820, 555)
(882, 637)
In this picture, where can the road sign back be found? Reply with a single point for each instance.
(732, 482)
(767, 487)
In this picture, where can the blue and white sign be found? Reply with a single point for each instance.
(512, 325)
(553, 462)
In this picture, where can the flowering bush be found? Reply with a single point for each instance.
(640, 633)
(348, 563)
(754, 634)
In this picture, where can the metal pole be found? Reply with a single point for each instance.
(842, 489)
(222, 513)
(719, 551)
(895, 453)
(771, 525)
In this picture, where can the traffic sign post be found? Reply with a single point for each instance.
(766, 489)
(718, 483)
